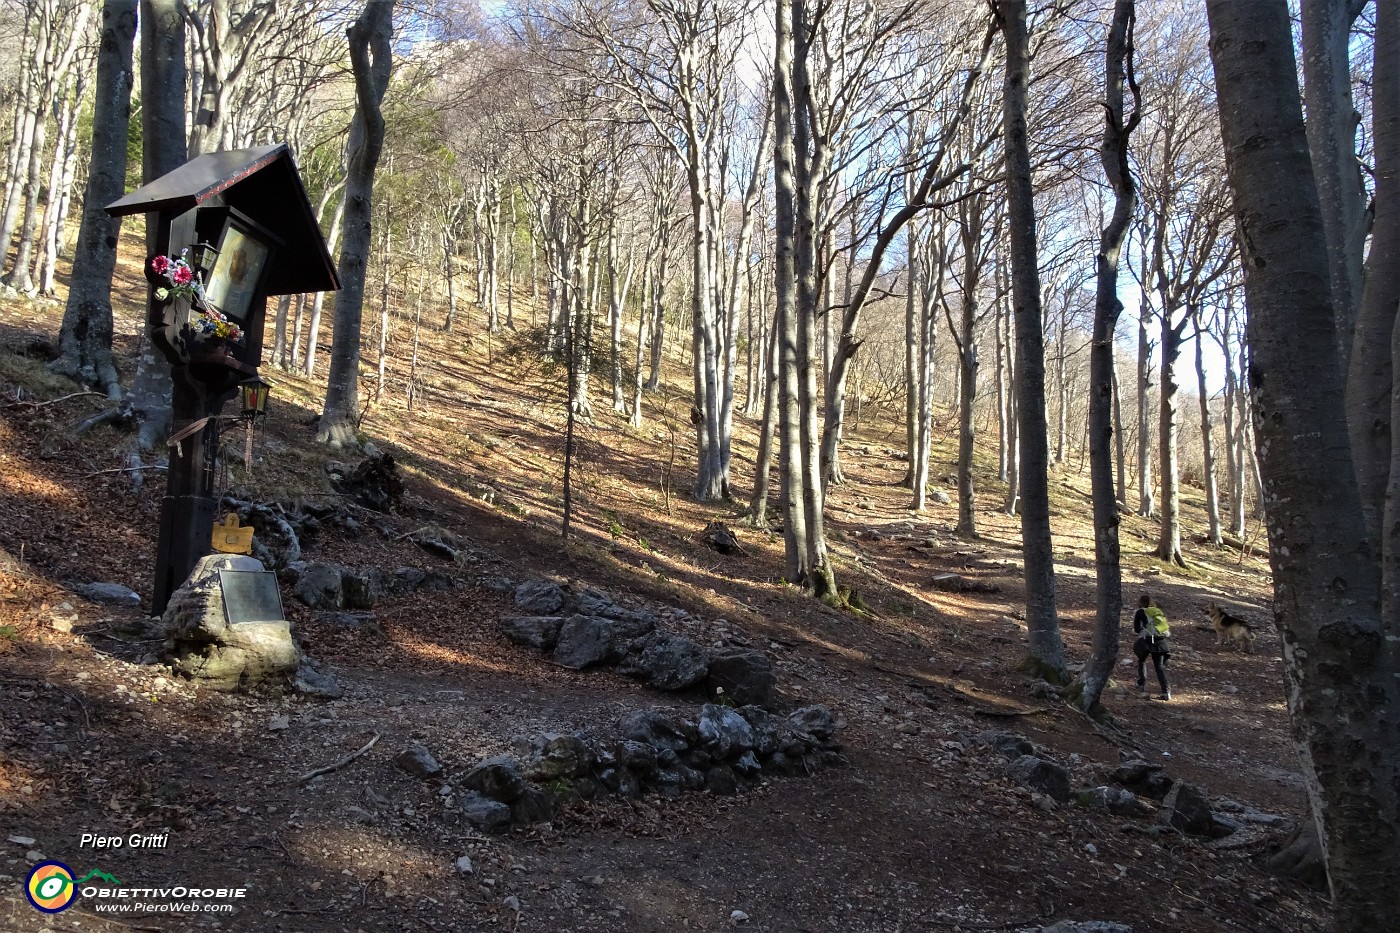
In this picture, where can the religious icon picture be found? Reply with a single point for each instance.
(236, 273)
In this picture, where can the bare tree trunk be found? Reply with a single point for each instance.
(22, 128)
(510, 264)
(1119, 451)
(313, 328)
(1341, 661)
(386, 263)
(1234, 458)
(1147, 507)
(1113, 154)
(28, 120)
(1370, 376)
(449, 271)
(810, 159)
(1013, 423)
(1207, 438)
(85, 339)
(763, 468)
(1001, 386)
(1331, 125)
(1047, 650)
(279, 333)
(1061, 387)
(65, 161)
(1169, 537)
(291, 362)
(371, 61)
(967, 374)
(163, 150)
(911, 360)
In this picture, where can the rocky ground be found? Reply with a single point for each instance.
(886, 771)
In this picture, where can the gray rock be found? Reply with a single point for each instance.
(361, 590)
(721, 781)
(656, 730)
(1143, 777)
(202, 645)
(275, 539)
(620, 781)
(637, 756)
(583, 642)
(321, 586)
(1042, 775)
(496, 584)
(596, 603)
(408, 578)
(1087, 926)
(939, 496)
(437, 581)
(778, 763)
(668, 662)
(311, 682)
(112, 594)
(1009, 744)
(724, 732)
(532, 806)
(768, 730)
(1187, 808)
(1116, 800)
(438, 542)
(745, 676)
(538, 632)
(418, 761)
(630, 623)
(815, 721)
(464, 865)
(747, 764)
(539, 597)
(669, 783)
(560, 756)
(486, 814)
(498, 778)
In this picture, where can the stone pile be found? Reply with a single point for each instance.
(722, 751)
(587, 629)
(1137, 789)
(331, 587)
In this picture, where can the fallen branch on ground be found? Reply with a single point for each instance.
(125, 470)
(336, 766)
(35, 406)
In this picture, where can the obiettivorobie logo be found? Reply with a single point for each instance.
(52, 889)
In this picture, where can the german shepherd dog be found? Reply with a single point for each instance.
(1230, 628)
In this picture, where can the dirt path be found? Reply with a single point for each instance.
(921, 830)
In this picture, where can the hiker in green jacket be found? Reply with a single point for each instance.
(1154, 638)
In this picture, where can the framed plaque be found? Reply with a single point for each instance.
(250, 596)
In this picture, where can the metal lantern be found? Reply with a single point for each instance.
(254, 393)
(203, 257)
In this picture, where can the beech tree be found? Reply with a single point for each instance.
(1047, 650)
(85, 339)
(1332, 601)
(1119, 122)
(371, 62)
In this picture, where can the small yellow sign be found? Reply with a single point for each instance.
(230, 538)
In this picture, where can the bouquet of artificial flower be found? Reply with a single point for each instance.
(211, 323)
(181, 281)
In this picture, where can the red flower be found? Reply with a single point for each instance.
(160, 264)
(182, 275)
